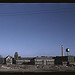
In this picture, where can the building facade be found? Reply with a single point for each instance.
(64, 60)
(9, 60)
(44, 61)
(25, 61)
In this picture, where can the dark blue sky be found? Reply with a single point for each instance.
(37, 29)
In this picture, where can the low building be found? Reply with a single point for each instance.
(9, 60)
(44, 61)
(27, 61)
(61, 60)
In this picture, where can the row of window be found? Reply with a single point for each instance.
(44, 63)
(45, 60)
(23, 60)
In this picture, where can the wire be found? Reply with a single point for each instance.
(41, 11)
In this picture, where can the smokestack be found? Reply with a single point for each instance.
(62, 50)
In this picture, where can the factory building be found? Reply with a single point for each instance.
(36, 61)
(44, 60)
(64, 60)
(25, 61)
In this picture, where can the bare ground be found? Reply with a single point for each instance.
(36, 68)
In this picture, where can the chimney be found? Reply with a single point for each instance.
(62, 50)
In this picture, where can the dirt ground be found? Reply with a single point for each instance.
(35, 68)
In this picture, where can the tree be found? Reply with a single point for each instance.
(16, 55)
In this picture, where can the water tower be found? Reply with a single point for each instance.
(67, 50)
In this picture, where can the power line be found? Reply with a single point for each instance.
(38, 12)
